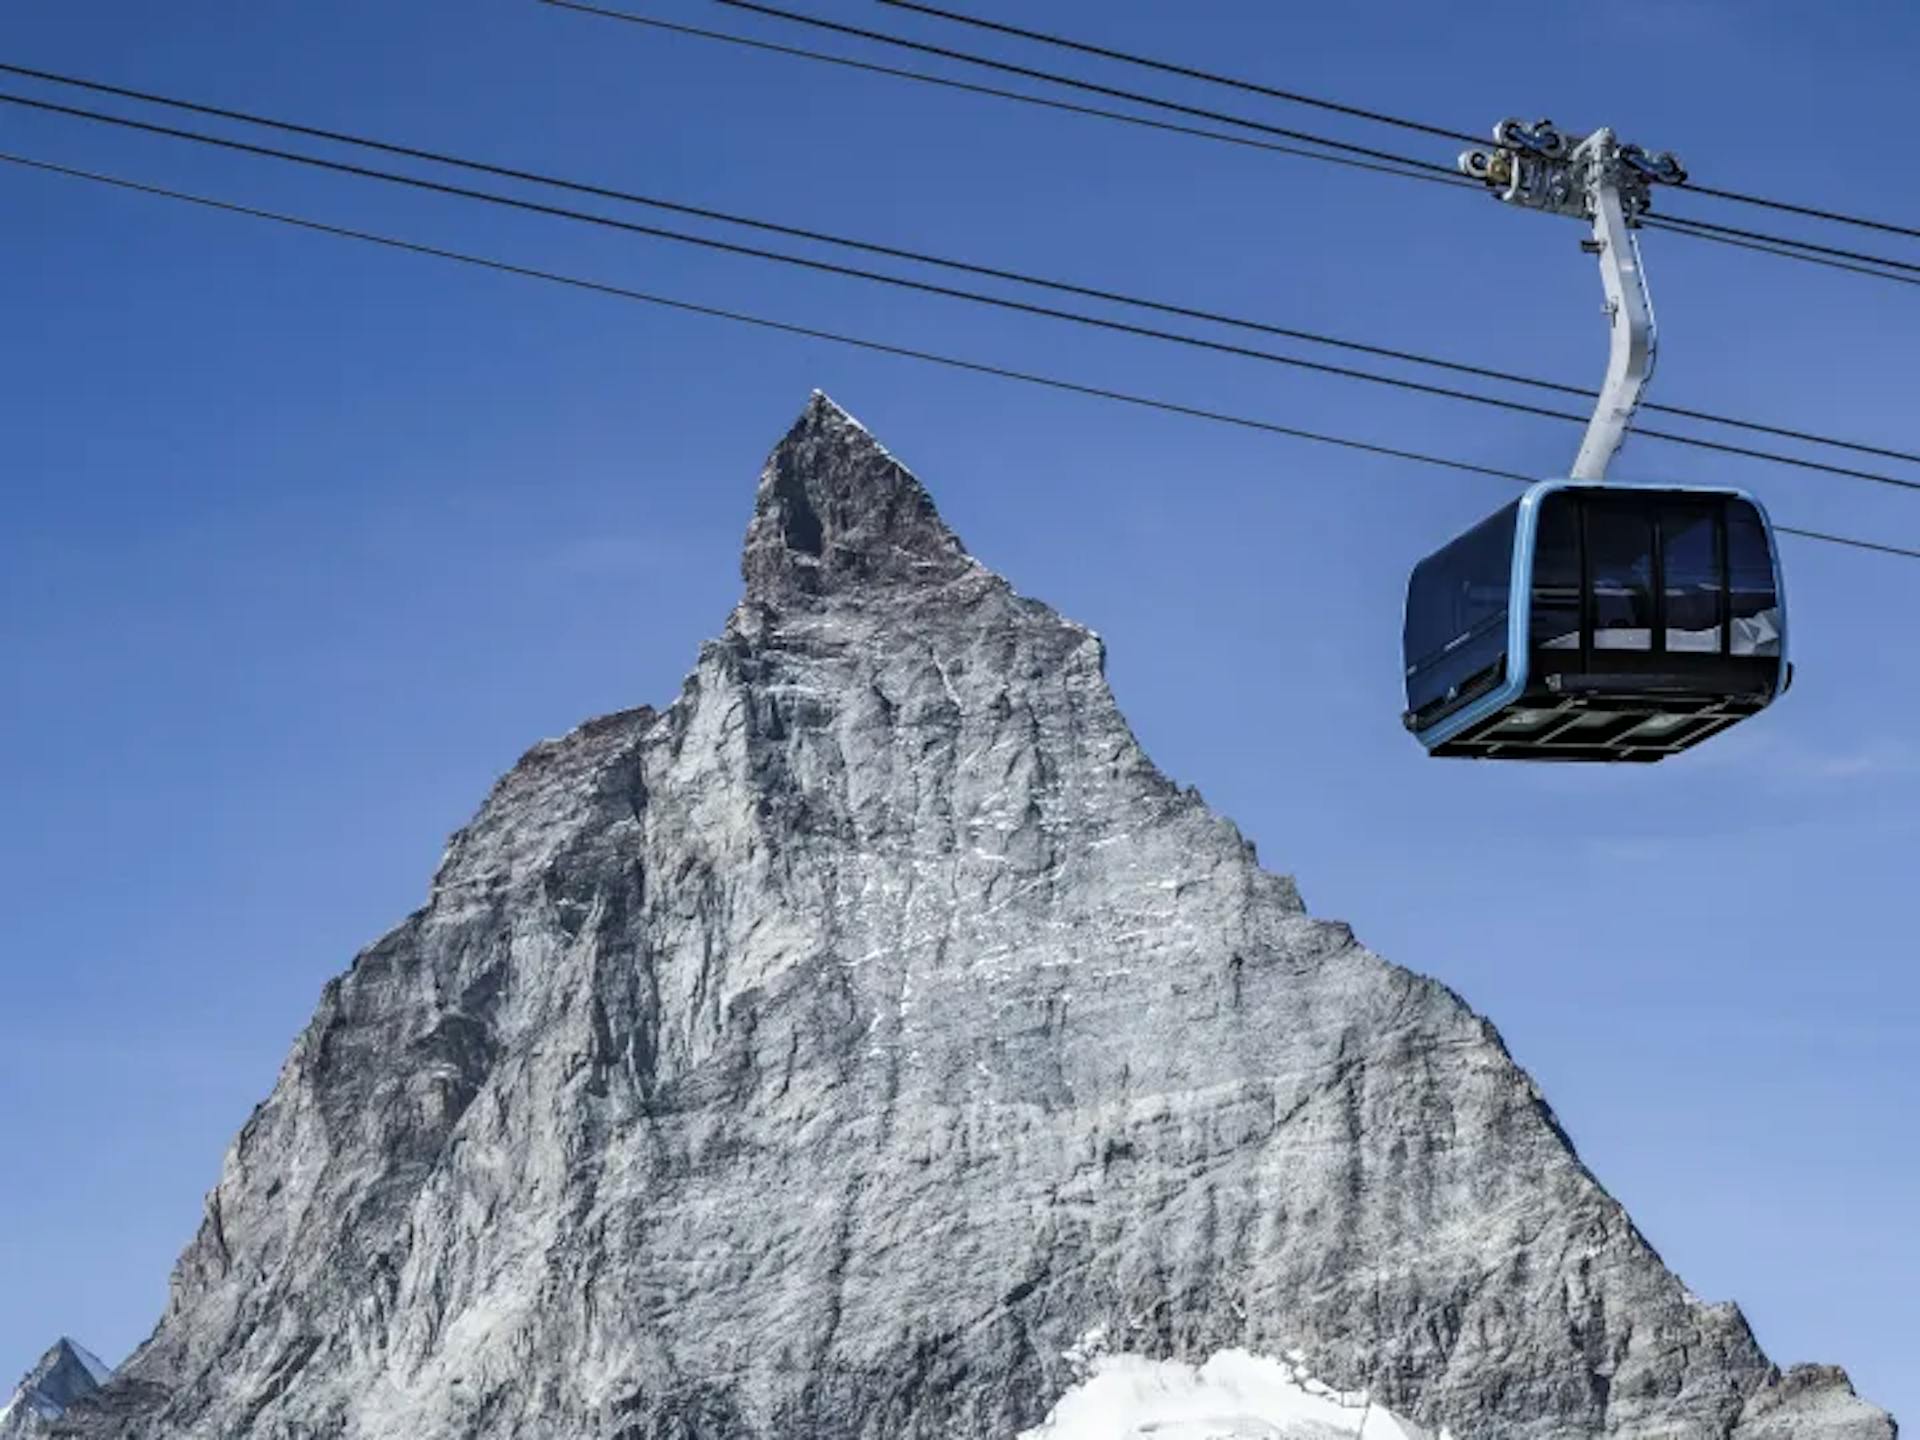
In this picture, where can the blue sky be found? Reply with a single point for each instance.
(304, 543)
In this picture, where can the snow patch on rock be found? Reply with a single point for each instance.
(1234, 1395)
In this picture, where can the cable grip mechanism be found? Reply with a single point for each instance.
(1610, 186)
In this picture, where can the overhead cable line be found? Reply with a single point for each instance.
(1165, 67)
(708, 242)
(852, 341)
(759, 7)
(948, 83)
(915, 256)
(1713, 229)
(1813, 211)
(902, 282)
(1111, 92)
(1405, 166)
(1294, 97)
(1676, 225)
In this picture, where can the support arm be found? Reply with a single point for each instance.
(1635, 339)
(1609, 185)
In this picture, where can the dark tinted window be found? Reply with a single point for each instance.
(1750, 583)
(1461, 588)
(1556, 575)
(1690, 552)
(1620, 556)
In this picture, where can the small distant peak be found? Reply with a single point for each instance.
(66, 1373)
(836, 512)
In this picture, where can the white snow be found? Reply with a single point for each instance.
(1235, 1395)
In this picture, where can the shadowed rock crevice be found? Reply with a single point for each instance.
(823, 1056)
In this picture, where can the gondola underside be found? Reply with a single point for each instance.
(1606, 718)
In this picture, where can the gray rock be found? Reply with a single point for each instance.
(66, 1373)
(820, 1057)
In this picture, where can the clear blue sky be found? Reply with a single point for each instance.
(303, 543)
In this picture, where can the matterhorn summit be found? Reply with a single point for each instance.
(827, 1054)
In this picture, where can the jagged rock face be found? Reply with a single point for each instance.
(820, 1057)
(64, 1374)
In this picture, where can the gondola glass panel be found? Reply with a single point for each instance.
(1690, 558)
(1620, 560)
(1752, 587)
(1556, 574)
(1456, 630)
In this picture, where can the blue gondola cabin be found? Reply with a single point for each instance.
(1596, 622)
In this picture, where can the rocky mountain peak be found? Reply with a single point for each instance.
(67, 1373)
(874, 1045)
(836, 512)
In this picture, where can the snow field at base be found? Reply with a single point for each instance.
(1235, 1395)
